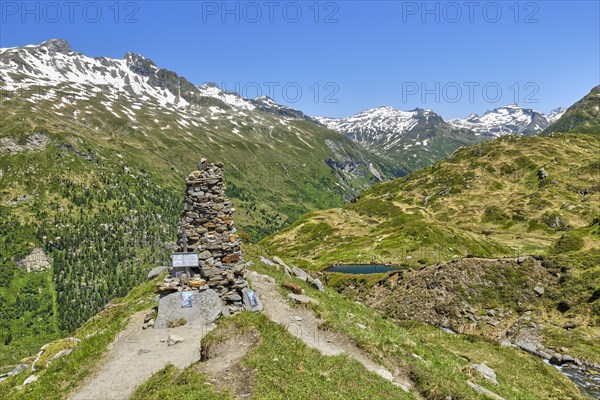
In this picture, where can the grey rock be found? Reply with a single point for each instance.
(567, 359)
(279, 261)
(267, 261)
(251, 300)
(18, 369)
(205, 255)
(302, 299)
(156, 272)
(484, 391)
(35, 142)
(317, 284)
(36, 261)
(539, 290)
(556, 359)
(62, 353)
(30, 379)
(143, 351)
(174, 339)
(206, 308)
(486, 372)
(300, 274)
(231, 296)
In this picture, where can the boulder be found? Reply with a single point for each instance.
(205, 308)
(19, 368)
(539, 290)
(486, 372)
(279, 261)
(156, 272)
(62, 353)
(318, 285)
(30, 379)
(300, 274)
(251, 300)
(568, 359)
(266, 261)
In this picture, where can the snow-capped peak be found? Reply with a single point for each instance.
(509, 119)
(53, 63)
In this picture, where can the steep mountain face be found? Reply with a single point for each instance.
(583, 116)
(414, 138)
(507, 120)
(131, 104)
(93, 158)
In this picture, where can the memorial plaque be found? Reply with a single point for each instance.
(184, 260)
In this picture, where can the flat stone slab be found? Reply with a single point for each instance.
(197, 308)
(251, 300)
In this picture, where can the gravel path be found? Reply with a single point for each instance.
(135, 355)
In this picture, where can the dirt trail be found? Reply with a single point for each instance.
(135, 355)
(302, 323)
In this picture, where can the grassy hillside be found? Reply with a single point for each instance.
(486, 200)
(280, 366)
(581, 117)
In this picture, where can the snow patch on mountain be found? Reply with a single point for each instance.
(510, 119)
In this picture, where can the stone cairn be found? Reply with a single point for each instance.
(207, 227)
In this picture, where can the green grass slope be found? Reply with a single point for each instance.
(485, 200)
(582, 117)
(279, 366)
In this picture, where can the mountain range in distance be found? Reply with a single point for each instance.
(411, 139)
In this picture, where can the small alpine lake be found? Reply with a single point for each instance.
(361, 268)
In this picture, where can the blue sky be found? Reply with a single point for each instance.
(337, 58)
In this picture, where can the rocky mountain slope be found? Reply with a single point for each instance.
(507, 120)
(414, 138)
(583, 116)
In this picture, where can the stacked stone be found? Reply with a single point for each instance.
(207, 227)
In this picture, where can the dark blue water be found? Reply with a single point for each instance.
(361, 268)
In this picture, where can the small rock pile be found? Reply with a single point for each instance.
(207, 227)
